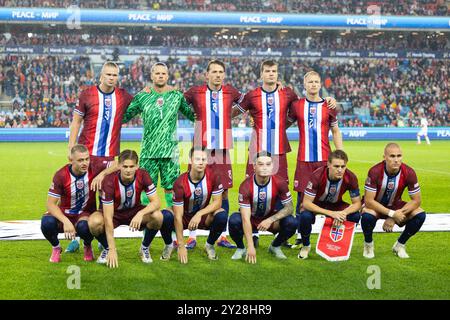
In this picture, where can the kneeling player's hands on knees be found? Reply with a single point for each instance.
(339, 216)
(388, 225)
(69, 230)
(251, 255)
(264, 225)
(195, 221)
(135, 224)
(337, 223)
(399, 216)
(112, 260)
(182, 254)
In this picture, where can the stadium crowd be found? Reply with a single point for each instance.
(390, 92)
(385, 7)
(306, 40)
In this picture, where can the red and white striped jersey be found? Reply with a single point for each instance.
(195, 196)
(269, 111)
(213, 128)
(265, 200)
(389, 189)
(126, 196)
(74, 192)
(102, 114)
(314, 120)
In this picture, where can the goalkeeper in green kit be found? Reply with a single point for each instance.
(159, 147)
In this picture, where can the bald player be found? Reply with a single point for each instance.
(384, 187)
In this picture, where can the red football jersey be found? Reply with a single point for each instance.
(328, 194)
(195, 196)
(314, 120)
(74, 192)
(213, 128)
(102, 114)
(263, 200)
(389, 189)
(269, 111)
(126, 196)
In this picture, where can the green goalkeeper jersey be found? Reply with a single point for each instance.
(159, 113)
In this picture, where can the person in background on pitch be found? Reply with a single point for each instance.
(323, 195)
(260, 197)
(384, 187)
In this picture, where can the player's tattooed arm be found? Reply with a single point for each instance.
(287, 210)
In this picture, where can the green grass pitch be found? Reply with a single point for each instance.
(27, 169)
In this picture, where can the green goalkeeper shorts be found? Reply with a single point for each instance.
(167, 168)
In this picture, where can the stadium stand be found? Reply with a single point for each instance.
(215, 37)
(385, 7)
(389, 92)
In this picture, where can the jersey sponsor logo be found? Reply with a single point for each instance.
(80, 184)
(262, 195)
(337, 233)
(160, 101)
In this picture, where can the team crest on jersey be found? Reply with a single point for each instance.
(215, 95)
(310, 185)
(108, 101)
(295, 183)
(312, 110)
(368, 180)
(332, 190)
(80, 184)
(198, 191)
(160, 101)
(129, 193)
(270, 100)
(337, 233)
(241, 197)
(390, 185)
(262, 195)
